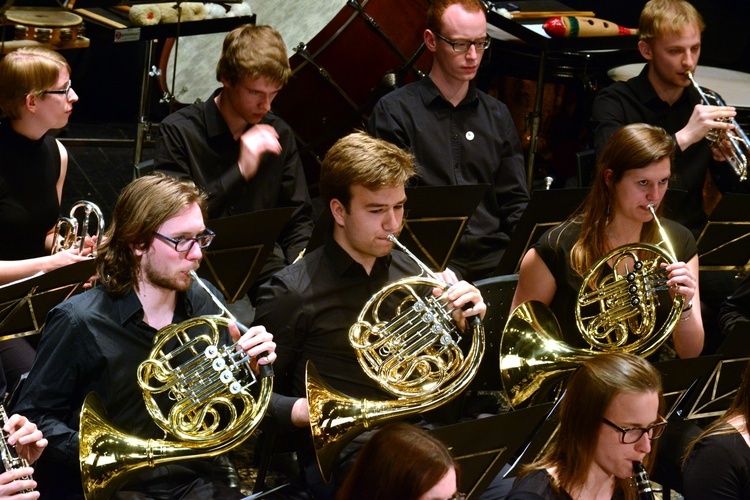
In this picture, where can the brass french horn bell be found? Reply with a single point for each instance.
(407, 341)
(71, 232)
(213, 408)
(614, 313)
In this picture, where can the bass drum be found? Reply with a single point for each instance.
(344, 56)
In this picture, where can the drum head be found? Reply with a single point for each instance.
(49, 18)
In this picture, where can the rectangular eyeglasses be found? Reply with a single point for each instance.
(464, 45)
(630, 435)
(186, 244)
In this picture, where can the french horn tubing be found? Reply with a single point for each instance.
(733, 143)
(71, 232)
(213, 406)
(408, 343)
(614, 313)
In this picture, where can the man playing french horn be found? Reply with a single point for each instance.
(95, 341)
(312, 304)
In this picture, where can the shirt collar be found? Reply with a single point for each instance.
(215, 124)
(431, 94)
(130, 308)
(342, 262)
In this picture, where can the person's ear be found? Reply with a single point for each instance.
(30, 102)
(608, 176)
(430, 40)
(338, 210)
(645, 49)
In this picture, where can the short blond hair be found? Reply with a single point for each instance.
(28, 70)
(359, 159)
(666, 17)
(251, 51)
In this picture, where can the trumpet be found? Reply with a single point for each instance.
(733, 143)
(408, 344)
(71, 232)
(11, 460)
(614, 313)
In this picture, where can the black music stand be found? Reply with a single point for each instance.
(24, 304)
(681, 380)
(483, 446)
(546, 209)
(434, 222)
(724, 243)
(242, 244)
(718, 389)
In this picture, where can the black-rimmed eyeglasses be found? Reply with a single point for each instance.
(630, 435)
(186, 244)
(65, 91)
(464, 45)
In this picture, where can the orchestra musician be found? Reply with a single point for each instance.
(609, 416)
(662, 95)
(460, 135)
(311, 304)
(95, 341)
(35, 97)
(402, 461)
(29, 443)
(633, 172)
(232, 146)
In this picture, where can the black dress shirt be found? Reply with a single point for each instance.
(94, 342)
(473, 143)
(195, 141)
(636, 101)
(310, 306)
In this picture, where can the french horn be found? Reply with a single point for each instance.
(615, 312)
(215, 405)
(409, 344)
(733, 143)
(71, 232)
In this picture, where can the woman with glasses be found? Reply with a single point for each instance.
(717, 464)
(632, 176)
(609, 416)
(402, 462)
(35, 97)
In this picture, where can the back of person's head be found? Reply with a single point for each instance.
(28, 70)
(142, 207)
(400, 462)
(667, 17)
(359, 159)
(633, 146)
(588, 394)
(253, 52)
(438, 7)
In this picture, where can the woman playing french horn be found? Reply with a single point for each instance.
(632, 173)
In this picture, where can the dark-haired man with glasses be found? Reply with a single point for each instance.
(95, 341)
(460, 135)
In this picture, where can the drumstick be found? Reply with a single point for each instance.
(550, 13)
(100, 18)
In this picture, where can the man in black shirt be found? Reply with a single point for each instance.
(312, 304)
(95, 341)
(460, 135)
(662, 95)
(231, 145)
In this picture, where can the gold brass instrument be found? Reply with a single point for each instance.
(10, 458)
(71, 232)
(614, 313)
(733, 143)
(406, 342)
(213, 407)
